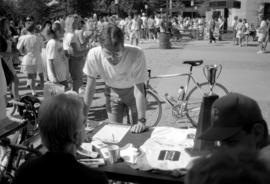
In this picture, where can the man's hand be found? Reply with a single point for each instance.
(138, 128)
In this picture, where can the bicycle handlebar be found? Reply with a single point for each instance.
(7, 143)
(21, 125)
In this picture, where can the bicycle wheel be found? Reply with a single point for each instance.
(153, 109)
(194, 100)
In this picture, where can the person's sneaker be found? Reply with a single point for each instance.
(260, 52)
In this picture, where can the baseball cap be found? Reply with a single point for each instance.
(229, 114)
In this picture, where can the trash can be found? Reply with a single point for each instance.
(200, 35)
(164, 41)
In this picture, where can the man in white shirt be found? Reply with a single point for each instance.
(123, 68)
(262, 31)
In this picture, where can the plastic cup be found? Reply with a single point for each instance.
(114, 152)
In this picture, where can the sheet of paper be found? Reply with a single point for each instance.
(111, 133)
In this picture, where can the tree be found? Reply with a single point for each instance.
(35, 8)
(8, 9)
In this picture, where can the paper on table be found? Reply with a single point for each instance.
(111, 133)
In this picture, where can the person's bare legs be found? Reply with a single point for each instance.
(41, 78)
(15, 88)
(32, 80)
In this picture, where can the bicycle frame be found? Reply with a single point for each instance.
(189, 75)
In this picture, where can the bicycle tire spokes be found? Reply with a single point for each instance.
(153, 109)
(194, 99)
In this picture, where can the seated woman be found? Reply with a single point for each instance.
(62, 120)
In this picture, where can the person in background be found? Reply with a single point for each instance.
(212, 27)
(239, 32)
(74, 51)
(267, 35)
(62, 121)
(47, 25)
(252, 32)
(234, 24)
(29, 22)
(220, 27)
(151, 26)
(40, 66)
(136, 25)
(234, 166)
(7, 54)
(262, 31)
(80, 31)
(246, 31)
(123, 68)
(57, 62)
(30, 46)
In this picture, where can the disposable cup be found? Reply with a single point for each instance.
(114, 152)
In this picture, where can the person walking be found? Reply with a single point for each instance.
(262, 31)
(30, 46)
(212, 27)
(7, 54)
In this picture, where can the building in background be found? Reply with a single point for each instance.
(249, 9)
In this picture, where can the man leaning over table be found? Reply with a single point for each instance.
(123, 68)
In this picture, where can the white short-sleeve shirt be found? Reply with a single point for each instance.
(54, 51)
(130, 71)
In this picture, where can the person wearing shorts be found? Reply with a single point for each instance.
(123, 68)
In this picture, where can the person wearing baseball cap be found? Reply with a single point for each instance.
(236, 120)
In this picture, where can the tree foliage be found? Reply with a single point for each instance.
(35, 8)
(39, 10)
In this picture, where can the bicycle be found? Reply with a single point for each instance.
(188, 105)
(17, 142)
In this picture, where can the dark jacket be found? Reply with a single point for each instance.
(57, 168)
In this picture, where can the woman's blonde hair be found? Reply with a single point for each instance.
(69, 23)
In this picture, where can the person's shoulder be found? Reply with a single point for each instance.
(29, 167)
(51, 42)
(94, 52)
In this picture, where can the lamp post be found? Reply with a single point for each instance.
(146, 9)
(192, 6)
(195, 8)
(116, 2)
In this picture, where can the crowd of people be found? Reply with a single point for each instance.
(242, 31)
(61, 51)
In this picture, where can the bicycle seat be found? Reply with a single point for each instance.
(194, 62)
